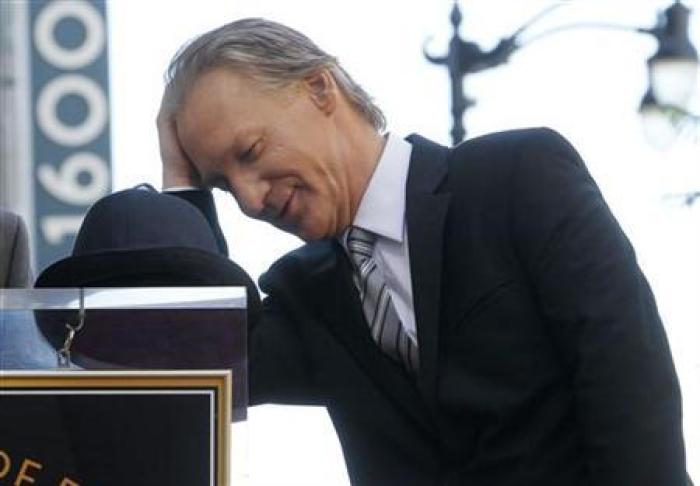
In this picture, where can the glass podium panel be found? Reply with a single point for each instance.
(158, 361)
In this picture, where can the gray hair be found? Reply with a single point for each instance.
(272, 53)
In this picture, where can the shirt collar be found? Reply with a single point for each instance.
(382, 209)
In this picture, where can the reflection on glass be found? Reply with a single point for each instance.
(126, 328)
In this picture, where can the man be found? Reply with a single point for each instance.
(15, 270)
(469, 316)
(21, 345)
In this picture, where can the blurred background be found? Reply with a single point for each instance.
(82, 80)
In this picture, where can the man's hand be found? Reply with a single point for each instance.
(178, 170)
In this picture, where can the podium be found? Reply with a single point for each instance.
(117, 386)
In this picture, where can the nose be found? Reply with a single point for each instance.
(249, 192)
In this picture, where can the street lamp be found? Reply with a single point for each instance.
(672, 69)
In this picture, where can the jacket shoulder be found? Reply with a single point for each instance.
(489, 161)
(9, 223)
(510, 145)
(299, 265)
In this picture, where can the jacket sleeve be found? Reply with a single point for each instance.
(277, 369)
(203, 200)
(602, 315)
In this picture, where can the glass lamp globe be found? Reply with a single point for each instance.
(673, 80)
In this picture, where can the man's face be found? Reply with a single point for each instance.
(277, 151)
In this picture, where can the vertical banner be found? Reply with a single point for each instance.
(70, 119)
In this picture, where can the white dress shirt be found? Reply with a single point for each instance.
(382, 211)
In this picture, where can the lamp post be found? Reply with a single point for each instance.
(464, 58)
(672, 69)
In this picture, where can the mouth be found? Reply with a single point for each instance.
(283, 213)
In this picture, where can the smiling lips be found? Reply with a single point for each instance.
(281, 215)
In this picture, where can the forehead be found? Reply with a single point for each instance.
(236, 89)
(217, 90)
(223, 100)
(217, 107)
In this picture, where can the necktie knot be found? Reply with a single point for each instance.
(360, 244)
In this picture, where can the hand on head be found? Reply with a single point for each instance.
(178, 169)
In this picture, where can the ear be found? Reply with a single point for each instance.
(322, 90)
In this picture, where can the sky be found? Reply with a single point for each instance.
(586, 84)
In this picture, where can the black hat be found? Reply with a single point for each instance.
(142, 238)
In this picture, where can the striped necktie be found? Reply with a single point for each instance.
(383, 321)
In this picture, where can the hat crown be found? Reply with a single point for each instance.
(139, 219)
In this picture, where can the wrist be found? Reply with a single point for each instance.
(177, 182)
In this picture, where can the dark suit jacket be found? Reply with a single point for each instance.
(543, 358)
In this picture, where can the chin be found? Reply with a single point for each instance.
(297, 231)
(309, 234)
(310, 228)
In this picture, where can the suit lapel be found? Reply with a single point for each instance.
(425, 218)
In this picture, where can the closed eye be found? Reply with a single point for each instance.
(249, 155)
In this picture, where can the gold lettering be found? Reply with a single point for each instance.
(5, 464)
(68, 482)
(22, 475)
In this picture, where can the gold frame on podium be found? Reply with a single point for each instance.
(217, 383)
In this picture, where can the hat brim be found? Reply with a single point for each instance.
(125, 338)
(175, 266)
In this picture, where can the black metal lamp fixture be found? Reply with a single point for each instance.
(672, 69)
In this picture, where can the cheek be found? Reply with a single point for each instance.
(314, 208)
(324, 178)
